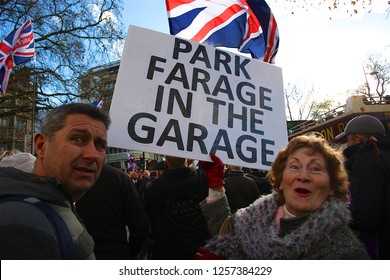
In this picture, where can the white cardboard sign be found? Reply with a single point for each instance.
(180, 98)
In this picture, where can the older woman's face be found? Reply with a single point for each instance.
(305, 183)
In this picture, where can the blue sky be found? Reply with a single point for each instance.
(314, 50)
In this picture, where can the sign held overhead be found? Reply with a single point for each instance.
(181, 98)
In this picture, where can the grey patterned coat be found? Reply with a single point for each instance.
(253, 234)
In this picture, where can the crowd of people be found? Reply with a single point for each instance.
(315, 202)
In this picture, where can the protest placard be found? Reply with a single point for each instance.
(181, 98)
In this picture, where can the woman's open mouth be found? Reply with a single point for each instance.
(302, 191)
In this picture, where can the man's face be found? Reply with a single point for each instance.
(75, 155)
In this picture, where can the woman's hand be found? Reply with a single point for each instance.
(215, 171)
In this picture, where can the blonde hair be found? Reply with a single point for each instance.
(133, 175)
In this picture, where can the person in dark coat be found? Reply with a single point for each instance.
(260, 178)
(143, 183)
(172, 202)
(114, 216)
(368, 165)
(241, 190)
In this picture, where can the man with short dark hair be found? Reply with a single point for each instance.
(368, 165)
(70, 153)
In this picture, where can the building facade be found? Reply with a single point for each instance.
(15, 123)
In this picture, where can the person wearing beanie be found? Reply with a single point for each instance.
(21, 161)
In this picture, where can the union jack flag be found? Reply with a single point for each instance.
(17, 48)
(98, 104)
(248, 25)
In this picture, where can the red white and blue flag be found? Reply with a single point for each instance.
(17, 48)
(248, 25)
(98, 104)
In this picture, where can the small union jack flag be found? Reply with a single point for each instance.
(248, 25)
(98, 104)
(17, 48)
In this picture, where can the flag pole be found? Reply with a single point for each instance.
(33, 105)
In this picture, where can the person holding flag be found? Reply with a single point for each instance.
(17, 48)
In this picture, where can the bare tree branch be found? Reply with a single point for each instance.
(71, 36)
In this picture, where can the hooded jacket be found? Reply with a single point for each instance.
(25, 231)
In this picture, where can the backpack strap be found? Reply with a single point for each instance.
(61, 229)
